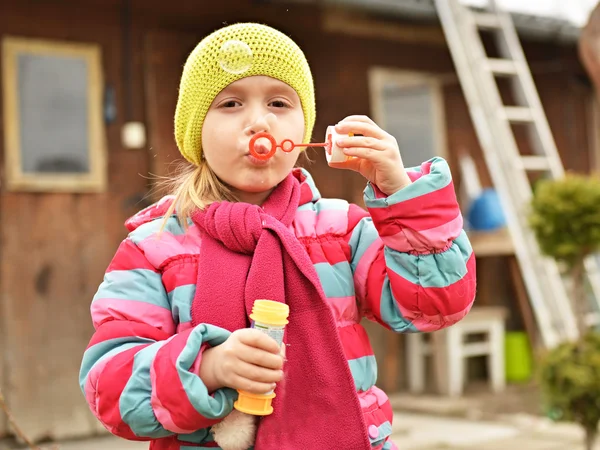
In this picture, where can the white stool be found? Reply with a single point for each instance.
(450, 352)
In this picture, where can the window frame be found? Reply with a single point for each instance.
(15, 179)
(380, 76)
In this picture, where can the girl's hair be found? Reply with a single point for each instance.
(196, 187)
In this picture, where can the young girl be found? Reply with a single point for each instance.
(173, 342)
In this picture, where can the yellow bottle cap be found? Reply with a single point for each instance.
(270, 312)
(255, 404)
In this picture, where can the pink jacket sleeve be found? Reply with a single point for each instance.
(138, 375)
(413, 265)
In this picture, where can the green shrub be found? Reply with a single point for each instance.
(570, 382)
(565, 218)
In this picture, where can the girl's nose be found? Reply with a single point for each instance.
(263, 122)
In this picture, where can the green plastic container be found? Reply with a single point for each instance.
(518, 357)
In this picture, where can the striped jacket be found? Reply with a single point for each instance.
(407, 264)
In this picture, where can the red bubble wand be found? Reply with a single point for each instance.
(287, 145)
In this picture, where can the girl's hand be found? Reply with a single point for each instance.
(377, 157)
(248, 360)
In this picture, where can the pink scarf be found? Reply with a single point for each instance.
(248, 253)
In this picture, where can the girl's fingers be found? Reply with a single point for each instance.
(364, 128)
(257, 374)
(367, 153)
(362, 141)
(251, 386)
(257, 339)
(261, 358)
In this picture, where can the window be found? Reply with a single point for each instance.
(54, 134)
(409, 106)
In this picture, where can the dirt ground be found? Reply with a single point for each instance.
(515, 405)
(478, 402)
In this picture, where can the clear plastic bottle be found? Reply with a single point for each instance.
(270, 317)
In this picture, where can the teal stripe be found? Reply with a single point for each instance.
(438, 178)
(148, 229)
(180, 299)
(325, 204)
(106, 349)
(436, 270)
(220, 403)
(311, 183)
(332, 204)
(464, 244)
(390, 313)
(134, 404)
(388, 445)
(385, 430)
(336, 279)
(199, 437)
(306, 207)
(363, 235)
(364, 372)
(136, 284)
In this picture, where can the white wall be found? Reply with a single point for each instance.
(576, 11)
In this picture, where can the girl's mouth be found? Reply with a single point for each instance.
(261, 150)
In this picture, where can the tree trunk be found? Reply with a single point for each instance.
(578, 296)
(589, 48)
(590, 438)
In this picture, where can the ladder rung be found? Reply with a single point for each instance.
(486, 20)
(534, 163)
(517, 114)
(501, 66)
(593, 319)
(547, 291)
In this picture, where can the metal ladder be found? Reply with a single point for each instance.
(493, 121)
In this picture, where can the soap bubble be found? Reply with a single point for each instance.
(235, 57)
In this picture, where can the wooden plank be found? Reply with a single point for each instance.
(3, 419)
(164, 56)
(40, 290)
(55, 248)
(388, 349)
(49, 277)
(393, 375)
(496, 243)
(339, 20)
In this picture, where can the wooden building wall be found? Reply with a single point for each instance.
(55, 247)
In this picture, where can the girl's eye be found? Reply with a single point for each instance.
(279, 104)
(230, 104)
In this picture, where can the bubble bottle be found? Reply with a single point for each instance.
(270, 317)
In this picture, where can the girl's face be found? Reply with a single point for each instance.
(246, 107)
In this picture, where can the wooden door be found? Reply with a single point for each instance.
(55, 248)
(164, 56)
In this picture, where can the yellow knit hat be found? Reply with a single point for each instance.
(227, 55)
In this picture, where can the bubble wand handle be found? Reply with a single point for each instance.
(287, 145)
